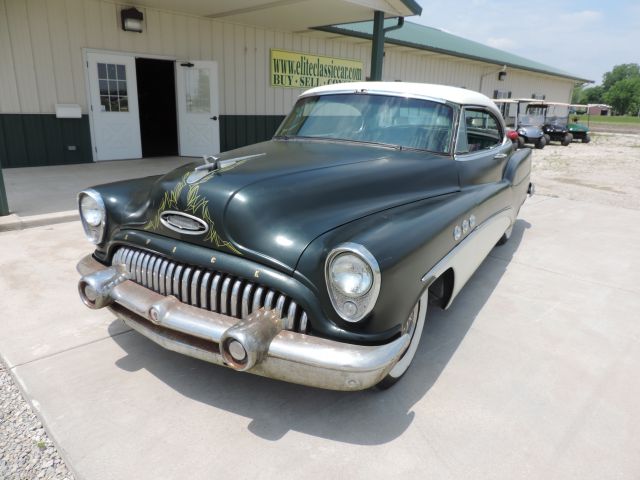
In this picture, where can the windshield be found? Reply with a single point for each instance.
(551, 114)
(532, 116)
(381, 119)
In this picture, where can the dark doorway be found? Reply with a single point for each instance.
(157, 105)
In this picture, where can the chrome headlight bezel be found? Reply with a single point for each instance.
(94, 233)
(341, 301)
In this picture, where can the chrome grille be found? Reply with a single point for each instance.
(215, 291)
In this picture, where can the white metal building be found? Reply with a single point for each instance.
(199, 77)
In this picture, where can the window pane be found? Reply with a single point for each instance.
(482, 129)
(102, 70)
(104, 87)
(105, 106)
(113, 87)
(122, 87)
(121, 72)
(124, 104)
(197, 90)
(111, 71)
(115, 106)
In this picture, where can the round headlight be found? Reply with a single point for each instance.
(91, 211)
(351, 275)
(353, 281)
(92, 214)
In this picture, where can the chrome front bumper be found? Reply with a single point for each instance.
(285, 355)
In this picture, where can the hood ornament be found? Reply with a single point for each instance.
(215, 164)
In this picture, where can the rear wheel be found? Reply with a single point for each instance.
(586, 138)
(541, 142)
(414, 327)
(567, 139)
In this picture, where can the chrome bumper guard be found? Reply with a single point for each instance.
(256, 344)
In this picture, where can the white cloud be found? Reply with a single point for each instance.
(502, 43)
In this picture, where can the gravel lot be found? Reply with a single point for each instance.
(26, 452)
(605, 171)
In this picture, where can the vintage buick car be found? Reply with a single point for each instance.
(312, 257)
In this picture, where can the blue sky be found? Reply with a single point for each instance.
(586, 38)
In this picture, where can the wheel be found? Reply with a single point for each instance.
(505, 236)
(415, 324)
(547, 137)
(586, 138)
(567, 139)
(520, 142)
(541, 142)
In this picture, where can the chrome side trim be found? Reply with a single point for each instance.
(467, 256)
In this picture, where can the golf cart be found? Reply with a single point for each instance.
(579, 131)
(556, 118)
(528, 126)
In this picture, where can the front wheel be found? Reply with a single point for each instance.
(520, 142)
(506, 235)
(547, 138)
(586, 138)
(415, 325)
(541, 142)
(567, 139)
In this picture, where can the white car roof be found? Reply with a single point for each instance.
(443, 93)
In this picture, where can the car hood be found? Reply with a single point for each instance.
(270, 200)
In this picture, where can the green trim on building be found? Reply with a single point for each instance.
(239, 130)
(35, 140)
(432, 39)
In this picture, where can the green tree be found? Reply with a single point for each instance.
(593, 94)
(624, 96)
(576, 95)
(618, 73)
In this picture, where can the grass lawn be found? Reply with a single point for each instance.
(616, 120)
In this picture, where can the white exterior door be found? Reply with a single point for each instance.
(114, 106)
(198, 111)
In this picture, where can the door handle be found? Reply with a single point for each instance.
(214, 117)
(500, 156)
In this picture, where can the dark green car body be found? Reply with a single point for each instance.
(280, 207)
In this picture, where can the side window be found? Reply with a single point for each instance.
(479, 130)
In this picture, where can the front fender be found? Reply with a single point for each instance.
(407, 242)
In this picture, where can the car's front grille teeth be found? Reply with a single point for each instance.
(215, 291)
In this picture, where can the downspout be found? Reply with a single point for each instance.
(4, 205)
(377, 43)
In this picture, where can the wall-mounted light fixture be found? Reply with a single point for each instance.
(502, 75)
(131, 20)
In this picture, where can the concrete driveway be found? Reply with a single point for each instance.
(533, 373)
